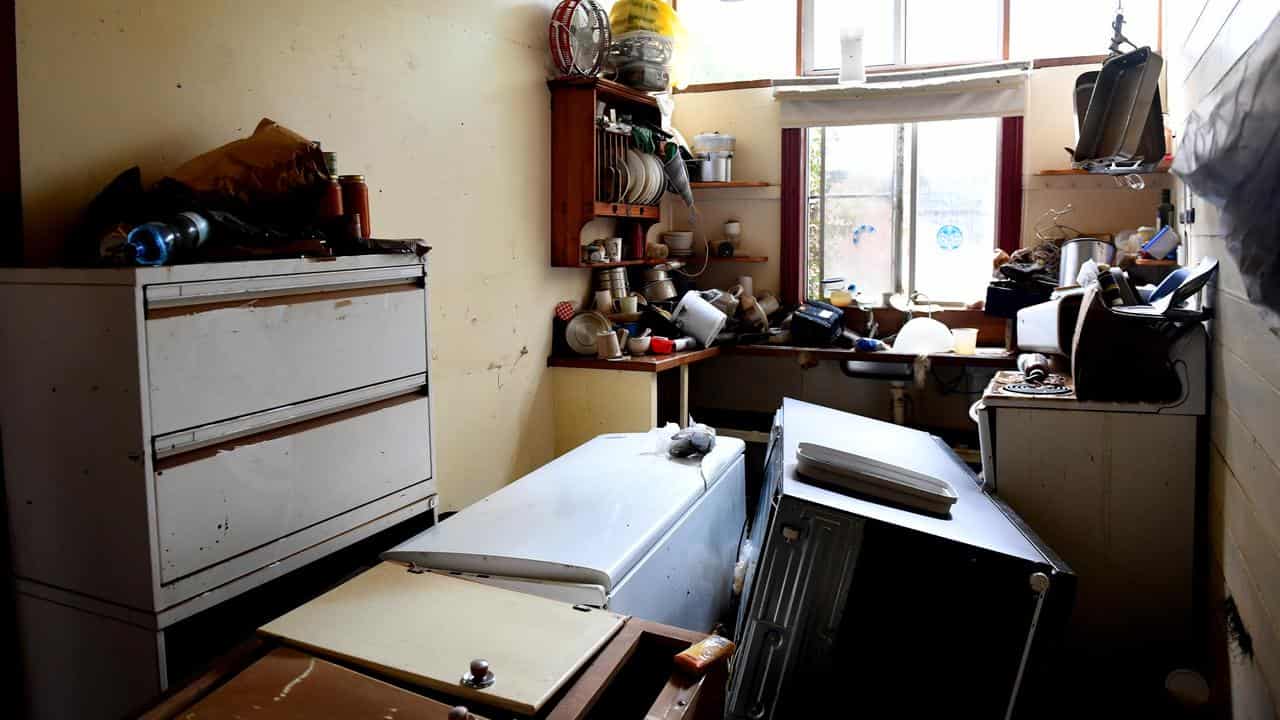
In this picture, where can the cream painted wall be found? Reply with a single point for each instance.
(752, 117)
(1205, 38)
(442, 104)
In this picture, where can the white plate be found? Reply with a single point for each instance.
(659, 178)
(639, 176)
(582, 330)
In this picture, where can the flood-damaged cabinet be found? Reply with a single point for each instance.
(176, 436)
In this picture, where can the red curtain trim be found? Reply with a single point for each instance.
(1009, 193)
(793, 213)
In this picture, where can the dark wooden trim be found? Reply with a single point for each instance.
(1066, 61)
(720, 86)
(222, 669)
(642, 363)
(879, 69)
(986, 357)
(1009, 186)
(792, 246)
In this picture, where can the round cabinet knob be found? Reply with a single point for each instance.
(479, 675)
(460, 713)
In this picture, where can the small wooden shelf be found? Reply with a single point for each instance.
(740, 259)
(1075, 172)
(620, 263)
(733, 184)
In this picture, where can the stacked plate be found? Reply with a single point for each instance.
(646, 180)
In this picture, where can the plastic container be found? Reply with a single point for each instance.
(153, 243)
(966, 340)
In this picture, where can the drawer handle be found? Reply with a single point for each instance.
(184, 441)
(243, 289)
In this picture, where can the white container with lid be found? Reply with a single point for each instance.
(713, 142)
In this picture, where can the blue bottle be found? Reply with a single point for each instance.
(153, 243)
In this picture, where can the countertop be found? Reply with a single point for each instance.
(985, 357)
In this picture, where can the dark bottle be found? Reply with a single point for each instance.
(355, 201)
(152, 243)
(1164, 211)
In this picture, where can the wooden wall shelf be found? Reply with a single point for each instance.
(740, 259)
(733, 184)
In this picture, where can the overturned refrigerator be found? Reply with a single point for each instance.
(860, 603)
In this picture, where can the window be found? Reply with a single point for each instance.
(1038, 29)
(903, 208)
(748, 40)
(896, 32)
(758, 39)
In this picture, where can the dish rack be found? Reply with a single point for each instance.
(585, 157)
(614, 180)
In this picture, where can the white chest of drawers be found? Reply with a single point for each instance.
(173, 437)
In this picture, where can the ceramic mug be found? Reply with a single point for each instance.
(604, 301)
(629, 305)
(607, 346)
(613, 249)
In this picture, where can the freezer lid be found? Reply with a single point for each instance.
(586, 517)
(425, 629)
(975, 518)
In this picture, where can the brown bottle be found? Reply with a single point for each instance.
(355, 201)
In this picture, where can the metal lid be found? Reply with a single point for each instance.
(350, 178)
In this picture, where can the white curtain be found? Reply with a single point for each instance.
(915, 96)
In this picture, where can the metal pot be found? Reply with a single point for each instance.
(715, 166)
(1076, 252)
(655, 274)
(659, 291)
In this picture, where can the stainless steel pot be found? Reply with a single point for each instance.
(1076, 252)
(659, 291)
(715, 166)
(655, 274)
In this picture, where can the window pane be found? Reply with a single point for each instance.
(955, 207)
(1040, 29)
(946, 31)
(748, 40)
(876, 18)
(858, 232)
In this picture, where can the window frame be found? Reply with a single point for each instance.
(804, 50)
(904, 200)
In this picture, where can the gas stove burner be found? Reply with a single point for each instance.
(1023, 388)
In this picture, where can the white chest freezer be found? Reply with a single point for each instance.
(611, 524)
